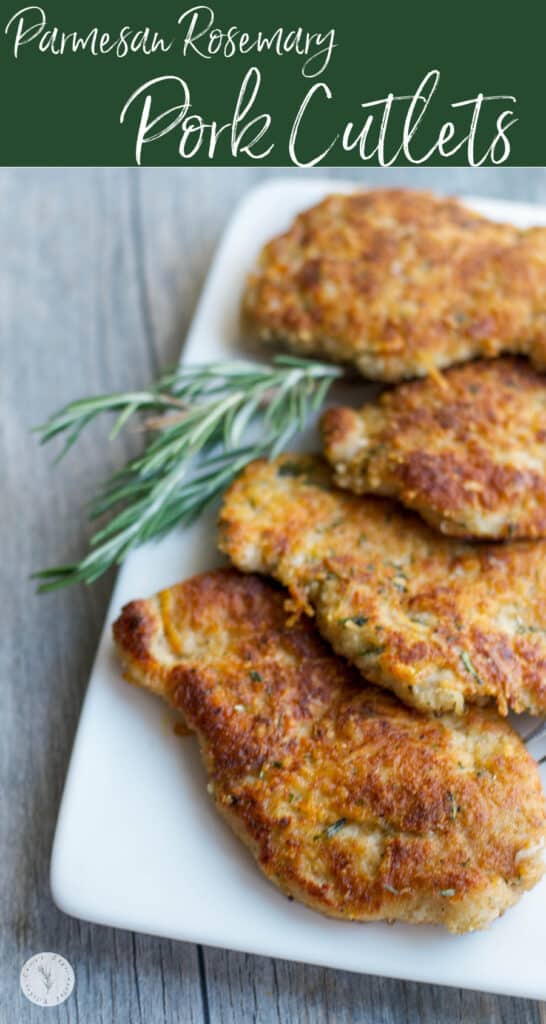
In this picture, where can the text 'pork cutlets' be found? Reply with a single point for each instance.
(399, 282)
(438, 621)
(349, 801)
(468, 453)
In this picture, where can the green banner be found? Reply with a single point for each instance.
(303, 84)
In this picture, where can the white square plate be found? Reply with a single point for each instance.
(138, 843)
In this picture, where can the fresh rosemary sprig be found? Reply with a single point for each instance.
(201, 439)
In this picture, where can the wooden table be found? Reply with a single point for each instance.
(100, 270)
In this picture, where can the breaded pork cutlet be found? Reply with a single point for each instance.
(440, 622)
(400, 282)
(349, 801)
(468, 454)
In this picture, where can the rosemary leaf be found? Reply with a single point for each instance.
(332, 830)
(206, 422)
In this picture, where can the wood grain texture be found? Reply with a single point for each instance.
(100, 270)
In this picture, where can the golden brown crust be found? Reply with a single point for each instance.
(468, 454)
(439, 622)
(398, 282)
(349, 801)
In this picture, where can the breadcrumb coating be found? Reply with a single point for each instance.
(399, 282)
(349, 801)
(468, 454)
(440, 622)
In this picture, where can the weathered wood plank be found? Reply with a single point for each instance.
(259, 990)
(99, 274)
(70, 323)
